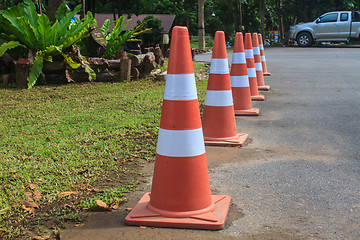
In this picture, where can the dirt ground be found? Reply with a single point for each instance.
(111, 225)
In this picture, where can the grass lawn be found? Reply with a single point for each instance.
(63, 147)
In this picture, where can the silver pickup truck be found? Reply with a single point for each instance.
(332, 26)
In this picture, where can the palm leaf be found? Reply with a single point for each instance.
(9, 45)
(44, 31)
(35, 69)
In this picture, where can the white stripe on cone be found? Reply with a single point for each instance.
(249, 53)
(180, 143)
(263, 58)
(218, 98)
(258, 66)
(180, 87)
(238, 58)
(261, 46)
(251, 72)
(239, 81)
(219, 66)
(256, 50)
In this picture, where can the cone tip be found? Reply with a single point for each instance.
(248, 42)
(219, 49)
(239, 42)
(180, 31)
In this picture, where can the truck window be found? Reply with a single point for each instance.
(356, 17)
(331, 17)
(344, 17)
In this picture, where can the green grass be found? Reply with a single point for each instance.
(82, 136)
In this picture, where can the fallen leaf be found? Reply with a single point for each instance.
(143, 227)
(41, 238)
(32, 211)
(147, 135)
(65, 194)
(75, 202)
(25, 208)
(39, 179)
(115, 204)
(12, 171)
(82, 187)
(15, 205)
(78, 224)
(73, 188)
(32, 186)
(29, 204)
(29, 199)
(5, 210)
(22, 186)
(95, 190)
(37, 195)
(29, 194)
(101, 204)
(108, 179)
(37, 198)
(128, 209)
(133, 155)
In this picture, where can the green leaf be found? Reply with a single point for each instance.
(105, 27)
(9, 45)
(44, 30)
(71, 62)
(30, 12)
(35, 69)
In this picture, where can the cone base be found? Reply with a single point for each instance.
(267, 74)
(141, 215)
(239, 140)
(258, 98)
(249, 112)
(264, 88)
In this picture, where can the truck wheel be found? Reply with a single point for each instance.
(304, 39)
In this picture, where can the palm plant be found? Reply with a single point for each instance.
(22, 27)
(116, 38)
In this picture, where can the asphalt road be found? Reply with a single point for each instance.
(301, 172)
(299, 176)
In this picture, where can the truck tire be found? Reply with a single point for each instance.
(304, 39)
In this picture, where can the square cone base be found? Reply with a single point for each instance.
(249, 112)
(258, 98)
(141, 215)
(264, 88)
(237, 141)
(267, 74)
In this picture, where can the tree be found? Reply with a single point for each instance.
(201, 25)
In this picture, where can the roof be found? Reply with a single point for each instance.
(167, 20)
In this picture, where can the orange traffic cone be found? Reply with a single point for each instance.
(240, 80)
(219, 125)
(180, 195)
(250, 63)
(262, 54)
(258, 65)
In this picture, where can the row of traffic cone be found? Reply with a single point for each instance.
(180, 195)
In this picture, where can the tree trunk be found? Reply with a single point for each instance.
(201, 26)
(52, 7)
(235, 15)
(281, 20)
(262, 13)
(240, 16)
